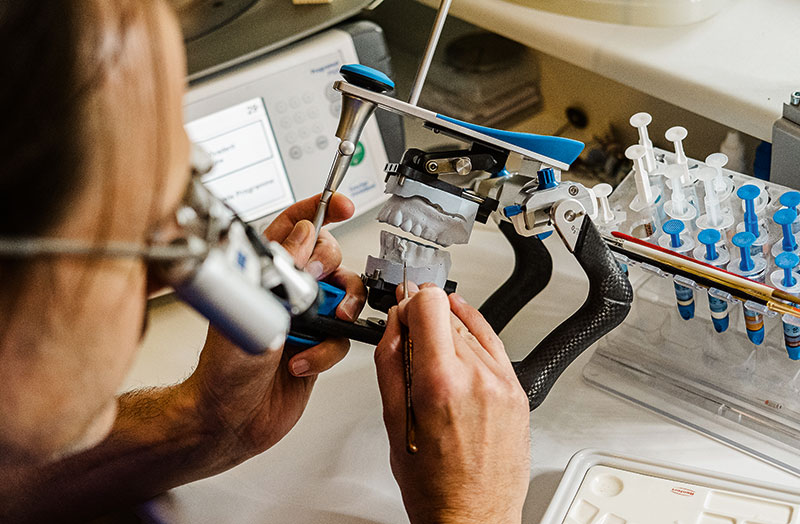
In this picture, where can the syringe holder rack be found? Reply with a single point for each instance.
(718, 383)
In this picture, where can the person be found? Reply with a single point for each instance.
(94, 151)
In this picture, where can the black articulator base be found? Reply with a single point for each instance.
(533, 267)
(381, 294)
(606, 306)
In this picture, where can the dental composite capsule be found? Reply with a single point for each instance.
(749, 193)
(754, 268)
(708, 253)
(683, 245)
(786, 279)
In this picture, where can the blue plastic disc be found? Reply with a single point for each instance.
(743, 239)
(790, 199)
(673, 227)
(748, 192)
(783, 217)
(708, 236)
(787, 260)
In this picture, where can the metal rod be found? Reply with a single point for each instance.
(427, 58)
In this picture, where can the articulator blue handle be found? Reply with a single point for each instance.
(558, 148)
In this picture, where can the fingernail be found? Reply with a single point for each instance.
(349, 307)
(412, 287)
(458, 298)
(314, 268)
(300, 366)
(299, 234)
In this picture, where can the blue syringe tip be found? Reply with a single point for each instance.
(674, 228)
(749, 193)
(784, 217)
(790, 199)
(743, 241)
(787, 262)
(709, 238)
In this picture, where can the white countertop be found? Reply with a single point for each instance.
(333, 466)
(736, 68)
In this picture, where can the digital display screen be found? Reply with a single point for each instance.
(248, 172)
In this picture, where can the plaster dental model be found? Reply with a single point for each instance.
(424, 263)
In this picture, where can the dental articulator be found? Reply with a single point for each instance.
(528, 205)
(674, 225)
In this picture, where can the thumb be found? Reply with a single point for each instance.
(300, 242)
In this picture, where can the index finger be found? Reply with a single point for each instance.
(339, 208)
(427, 315)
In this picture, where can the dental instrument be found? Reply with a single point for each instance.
(708, 253)
(791, 199)
(786, 279)
(785, 218)
(684, 295)
(753, 268)
(678, 207)
(714, 216)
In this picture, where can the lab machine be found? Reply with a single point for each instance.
(271, 145)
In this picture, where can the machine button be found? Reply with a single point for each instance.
(322, 141)
(281, 106)
(299, 118)
(308, 149)
(294, 102)
(358, 155)
(291, 137)
(302, 133)
(308, 97)
(286, 122)
(313, 113)
(296, 152)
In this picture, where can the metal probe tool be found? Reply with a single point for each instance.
(408, 349)
(356, 112)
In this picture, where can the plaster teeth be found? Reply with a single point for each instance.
(415, 216)
(396, 218)
(397, 249)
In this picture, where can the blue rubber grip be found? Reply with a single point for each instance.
(366, 77)
(558, 148)
(332, 296)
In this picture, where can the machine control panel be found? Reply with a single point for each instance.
(270, 127)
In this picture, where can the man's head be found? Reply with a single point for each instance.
(92, 149)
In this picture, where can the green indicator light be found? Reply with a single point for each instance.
(358, 156)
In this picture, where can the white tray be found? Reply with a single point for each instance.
(601, 487)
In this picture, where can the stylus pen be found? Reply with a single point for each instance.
(704, 274)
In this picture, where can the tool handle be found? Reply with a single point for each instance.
(606, 306)
(309, 330)
(533, 267)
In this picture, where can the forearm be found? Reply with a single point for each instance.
(157, 443)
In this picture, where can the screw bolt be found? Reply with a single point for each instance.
(795, 98)
(432, 166)
(573, 190)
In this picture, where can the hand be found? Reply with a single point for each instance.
(472, 420)
(249, 402)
